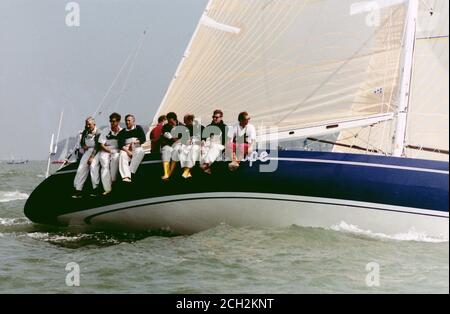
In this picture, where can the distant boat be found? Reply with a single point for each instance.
(54, 147)
(14, 161)
(62, 156)
(17, 162)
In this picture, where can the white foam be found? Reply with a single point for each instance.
(411, 235)
(45, 236)
(14, 221)
(6, 196)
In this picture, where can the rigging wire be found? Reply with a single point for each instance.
(100, 108)
(133, 61)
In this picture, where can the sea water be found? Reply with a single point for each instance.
(340, 259)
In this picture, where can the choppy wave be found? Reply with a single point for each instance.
(8, 196)
(411, 235)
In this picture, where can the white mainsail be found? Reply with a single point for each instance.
(290, 63)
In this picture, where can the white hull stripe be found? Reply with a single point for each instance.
(355, 163)
(326, 161)
(91, 213)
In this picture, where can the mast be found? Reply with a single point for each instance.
(409, 40)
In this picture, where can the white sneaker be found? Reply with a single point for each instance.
(128, 180)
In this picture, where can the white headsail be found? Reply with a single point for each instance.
(428, 117)
(290, 63)
(427, 134)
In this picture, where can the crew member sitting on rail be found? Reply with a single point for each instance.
(242, 138)
(88, 143)
(156, 133)
(108, 156)
(215, 134)
(189, 145)
(130, 140)
(167, 141)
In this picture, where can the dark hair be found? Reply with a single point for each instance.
(172, 115)
(218, 111)
(242, 116)
(115, 116)
(129, 115)
(189, 117)
(162, 118)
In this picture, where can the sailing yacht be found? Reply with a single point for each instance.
(374, 73)
(14, 161)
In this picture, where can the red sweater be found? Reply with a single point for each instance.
(155, 135)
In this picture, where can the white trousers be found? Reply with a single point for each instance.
(83, 170)
(166, 153)
(188, 155)
(212, 153)
(109, 164)
(126, 168)
(173, 152)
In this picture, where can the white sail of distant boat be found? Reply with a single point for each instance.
(65, 150)
(64, 153)
(53, 149)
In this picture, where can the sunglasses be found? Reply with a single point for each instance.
(217, 117)
(113, 121)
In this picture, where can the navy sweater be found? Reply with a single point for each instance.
(125, 134)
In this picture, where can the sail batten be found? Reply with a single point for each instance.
(326, 127)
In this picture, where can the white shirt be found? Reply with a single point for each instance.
(238, 131)
(89, 140)
(110, 142)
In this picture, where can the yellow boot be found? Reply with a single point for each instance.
(166, 167)
(187, 173)
(173, 165)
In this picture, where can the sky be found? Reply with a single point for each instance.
(47, 66)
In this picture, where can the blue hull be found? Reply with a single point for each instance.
(392, 184)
